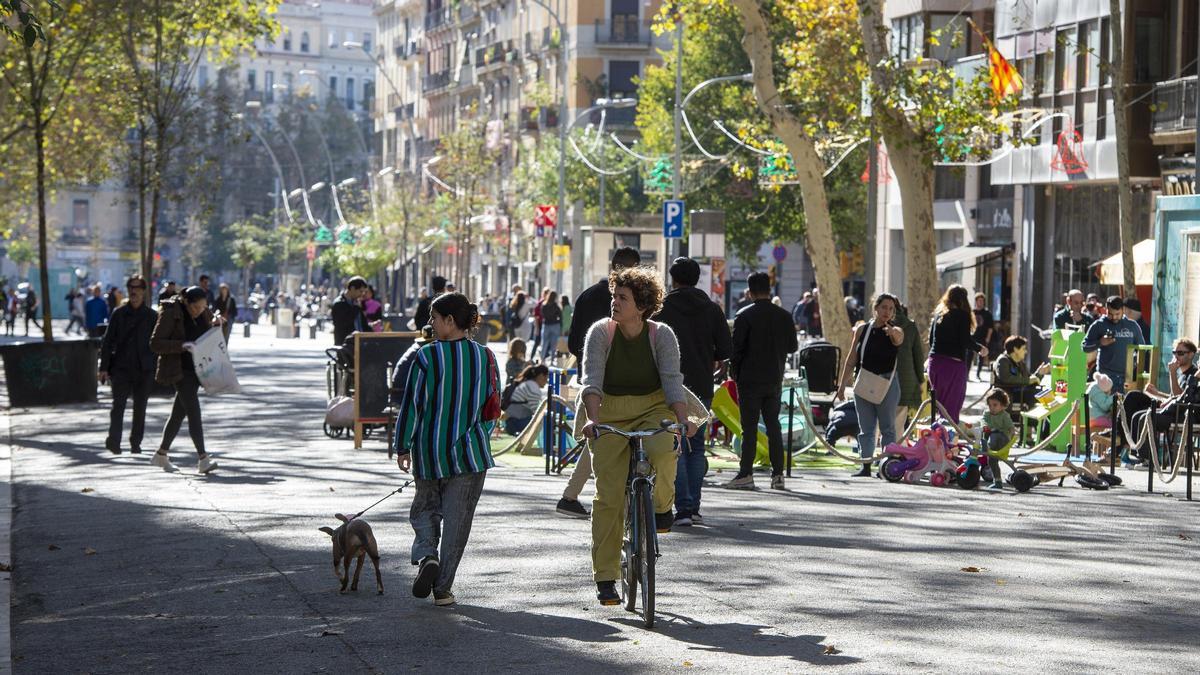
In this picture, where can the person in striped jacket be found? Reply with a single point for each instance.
(442, 438)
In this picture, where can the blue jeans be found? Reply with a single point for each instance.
(883, 414)
(550, 334)
(692, 465)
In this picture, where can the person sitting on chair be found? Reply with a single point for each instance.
(1012, 374)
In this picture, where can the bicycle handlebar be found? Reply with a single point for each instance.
(664, 427)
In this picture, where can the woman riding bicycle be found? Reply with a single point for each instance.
(631, 380)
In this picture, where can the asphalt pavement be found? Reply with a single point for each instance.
(119, 567)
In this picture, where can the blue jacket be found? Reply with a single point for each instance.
(1112, 358)
(95, 312)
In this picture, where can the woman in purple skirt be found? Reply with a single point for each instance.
(950, 349)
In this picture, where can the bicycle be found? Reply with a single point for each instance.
(639, 550)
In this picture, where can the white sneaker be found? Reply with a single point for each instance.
(160, 460)
(743, 483)
(207, 463)
(777, 482)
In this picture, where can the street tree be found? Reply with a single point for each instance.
(469, 158)
(248, 244)
(1121, 70)
(60, 113)
(164, 43)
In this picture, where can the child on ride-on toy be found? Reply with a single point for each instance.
(997, 432)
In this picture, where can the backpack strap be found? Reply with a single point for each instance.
(611, 329)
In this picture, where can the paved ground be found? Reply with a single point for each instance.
(122, 568)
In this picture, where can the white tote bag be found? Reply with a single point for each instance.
(213, 366)
(869, 386)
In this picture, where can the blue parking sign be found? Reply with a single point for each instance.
(673, 219)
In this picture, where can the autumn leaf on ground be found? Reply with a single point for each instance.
(88, 490)
(688, 664)
(1000, 582)
(332, 490)
(89, 551)
(972, 569)
(830, 650)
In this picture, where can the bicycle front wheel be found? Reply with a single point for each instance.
(629, 559)
(647, 550)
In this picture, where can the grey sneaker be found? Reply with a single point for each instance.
(777, 482)
(683, 521)
(441, 599)
(743, 483)
(697, 519)
(160, 460)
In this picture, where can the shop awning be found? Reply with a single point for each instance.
(964, 257)
(1111, 272)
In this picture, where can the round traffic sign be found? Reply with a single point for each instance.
(780, 253)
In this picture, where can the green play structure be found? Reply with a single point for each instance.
(1065, 383)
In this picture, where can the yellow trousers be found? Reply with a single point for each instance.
(610, 463)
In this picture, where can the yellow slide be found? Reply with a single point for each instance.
(727, 412)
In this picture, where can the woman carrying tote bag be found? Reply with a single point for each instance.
(876, 387)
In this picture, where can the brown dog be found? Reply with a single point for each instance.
(353, 539)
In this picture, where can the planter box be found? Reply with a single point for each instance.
(51, 373)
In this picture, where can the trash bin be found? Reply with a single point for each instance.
(285, 323)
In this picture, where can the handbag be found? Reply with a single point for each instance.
(869, 386)
(491, 407)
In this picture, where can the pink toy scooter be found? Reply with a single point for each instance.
(932, 454)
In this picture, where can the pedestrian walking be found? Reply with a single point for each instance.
(1072, 313)
(182, 319)
(373, 309)
(551, 326)
(537, 323)
(10, 313)
(592, 305)
(799, 316)
(703, 336)
(347, 311)
(442, 437)
(30, 303)
(763, 336)
(950, 348)
(873, 358)
(127, 361)
(910, 368)
(421, 313)
(568, 313)
(1112, 336)
(206, 283)
(95, 311)
(75, 307)
(631, 381)
(226, 304)
(984, 327)
(518, 311)
(812, 313)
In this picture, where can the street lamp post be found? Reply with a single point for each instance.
(562, 147)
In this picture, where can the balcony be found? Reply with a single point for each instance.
(615, 117)
(623, 31)
(496, 53)
(436, 81)
(438, 18)
(403, 112)
(1174, 106)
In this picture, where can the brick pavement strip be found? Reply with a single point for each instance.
(122, 568)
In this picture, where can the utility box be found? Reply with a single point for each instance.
(285, 323)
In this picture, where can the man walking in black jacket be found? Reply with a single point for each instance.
(593, 304)
(126, 361)
(347, 314)
(763, 336)
(699, 324)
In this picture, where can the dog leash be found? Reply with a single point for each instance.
(393, 492)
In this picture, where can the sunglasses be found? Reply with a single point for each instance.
(1181, 352)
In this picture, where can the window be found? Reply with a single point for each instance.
(366, 42)
(1105, 36)
(332, 38)
(304, 42)
(949, 182)
(269, 85)
(1091, 54)
(202, 76)
(287, 40)
(80, 219)
(368, 93)
(1064, 72)
(1150, 41)
(251, 80)
(131, 223)
(349, 93)
(908, 37)
(289, 82)
(332, 86)
(624, 20)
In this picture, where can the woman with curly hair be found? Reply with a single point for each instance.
(631, 380)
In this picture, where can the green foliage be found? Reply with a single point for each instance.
(29, 28)
(249, 243)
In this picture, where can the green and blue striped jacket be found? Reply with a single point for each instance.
(441, 415)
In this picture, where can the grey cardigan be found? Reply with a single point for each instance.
(664, 347)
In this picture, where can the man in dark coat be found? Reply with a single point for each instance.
(594, 303)
(126, 361)
(703, 334)
(347, 314)
(424, 306)
(763, 336)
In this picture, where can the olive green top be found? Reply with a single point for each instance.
(630, 369)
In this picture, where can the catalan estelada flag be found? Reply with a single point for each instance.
(1004, 78)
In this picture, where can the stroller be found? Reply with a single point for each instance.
(821, 362)
(339, 390)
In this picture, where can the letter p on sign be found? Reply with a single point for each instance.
(673, 219)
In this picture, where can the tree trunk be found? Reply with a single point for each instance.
(141, 184)
(914, 173)
(39, 134)
(920, 248)
(810, 168)
(1120, 80)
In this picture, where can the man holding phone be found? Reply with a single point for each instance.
(126, 360)
(1112, 335)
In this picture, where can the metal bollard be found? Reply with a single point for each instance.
(246, 329)
(312, 331)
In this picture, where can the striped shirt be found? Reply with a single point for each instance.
(441, 416)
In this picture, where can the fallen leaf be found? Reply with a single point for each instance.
(5, 567)
(88, 490)
(971, 569)
(1020, 515)
(1000, 582)
(89, 551)
(830, 650)
(332, 490)
(1184, 537)
(688, 664)
(52, 547)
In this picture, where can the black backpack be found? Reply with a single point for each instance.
(507, 394)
